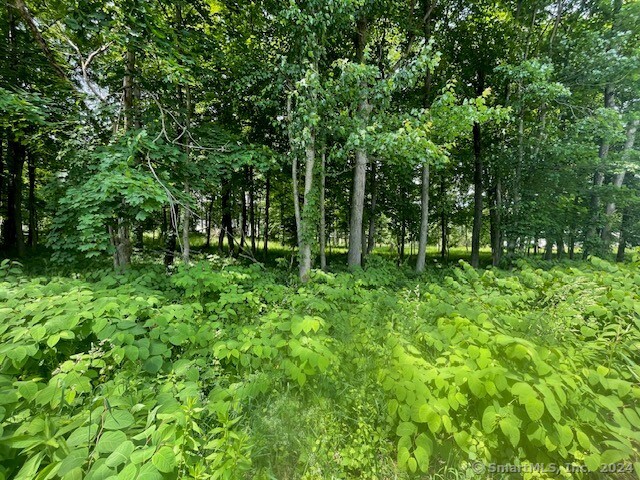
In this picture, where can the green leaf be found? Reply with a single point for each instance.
(30, 467)
(109, 441)
(406, 429)
(412, 465)
(164, 459)
(75, 459)
(130, 472)
(117, 419)
(489, 419)
(153, 364)
(592, 462)
(511, 429)
(120, 455)
(403, 456)
(534, 408)
(422, 457)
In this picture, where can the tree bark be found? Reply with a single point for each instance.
(477, 181)
(252, 210)
(622, 242)
(618, 180)
(186, 221)
(591, 238)
(31, 202)
(424, 219)
(323, 228)
(371, 242)
(243, 212)
(307, 235)
(227, 222)
(443, 219)
(354, 255)
(496, 227)
(171, 237)
(13, 235)
(267, 201)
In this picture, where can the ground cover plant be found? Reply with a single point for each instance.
(223, 370)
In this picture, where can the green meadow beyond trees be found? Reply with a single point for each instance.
(319, 239)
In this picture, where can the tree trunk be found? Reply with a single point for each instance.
(624, 227)
(354, 257)
(496, 227)
(560, 242)
(618, 180)
(572, 245)
(443, 219)
(371, 237)
(591, 239)
(33, 219)
(13, 235)
(424, 219)
(208, 223)
(252, 211)
(243, 214)
(307, 222)
(548, 249)
(267, 201)
(2, 160)
(171, 238)
(227, 222)
(477, 182)
(477, 198)
(186, 221)
(323, 228)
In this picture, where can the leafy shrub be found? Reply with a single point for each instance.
(226, 371)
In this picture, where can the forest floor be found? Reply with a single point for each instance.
(228, 369)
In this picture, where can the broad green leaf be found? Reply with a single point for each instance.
(164, 459)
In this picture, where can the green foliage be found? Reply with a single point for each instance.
(223, 371)
(122, 186)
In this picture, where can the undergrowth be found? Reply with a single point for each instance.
(227, 371)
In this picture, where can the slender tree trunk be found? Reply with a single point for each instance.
(548, 249)
(624, 227)
(354, 255)
(227, 222)
(443, 218)
(252, 210)
(323, 229)
(186, 221)
(13, 235)
(120, 236)
(572, 245)
(591, 240)
(560, 242)
(477, 181)
(171, 238)
(496, 227)
(2, 161)
(243, 214)
(477, 198)
(371, 237)
(424, 219)
(307, 215)
(208, 223)
(618, 180)
(267, 202)
(33, 219)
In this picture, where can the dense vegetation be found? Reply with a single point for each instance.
(228, 371)
(319, 239)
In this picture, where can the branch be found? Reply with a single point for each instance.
(28, 19)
